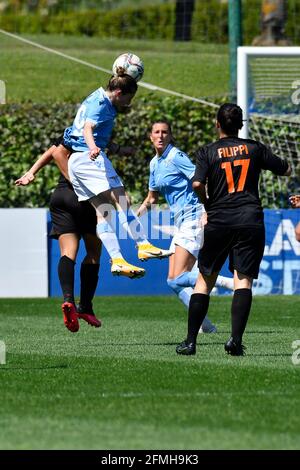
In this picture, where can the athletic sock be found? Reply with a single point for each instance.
(88, 285)
(197, 312)
(132, 226)
(185, 296)
(66, 267)
(187, 278)
(226, 282)
(109, 240)
(240, 309)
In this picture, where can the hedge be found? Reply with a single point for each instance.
(210, 22)
(27, 130)
(147, 23)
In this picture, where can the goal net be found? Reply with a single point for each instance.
(269, 94)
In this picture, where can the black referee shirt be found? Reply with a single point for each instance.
(231, 168)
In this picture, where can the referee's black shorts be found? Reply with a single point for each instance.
(245, 247)
(70, 216)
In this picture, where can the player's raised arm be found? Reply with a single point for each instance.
(61, 155)
(199, 179)
(29, 176)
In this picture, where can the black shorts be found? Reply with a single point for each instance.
(245, 247)
(70, 216)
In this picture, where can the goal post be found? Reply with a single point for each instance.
(268, 91)
(279, 74)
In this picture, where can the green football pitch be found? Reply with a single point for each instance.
(123, 386)
(198, 70)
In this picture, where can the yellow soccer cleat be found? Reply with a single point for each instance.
(120, 267)
(148, 251)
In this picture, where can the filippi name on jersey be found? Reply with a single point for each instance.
(226, 152)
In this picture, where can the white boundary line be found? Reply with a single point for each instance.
(149, 86)
(256, 393)
(2, 92)
(53, 51)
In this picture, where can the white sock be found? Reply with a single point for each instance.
(109, 240)
(185, 296)
(132, 226)
(226, 282)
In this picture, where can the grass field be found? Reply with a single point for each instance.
(199, 70)
(124, 387)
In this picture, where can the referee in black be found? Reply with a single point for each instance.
(226, 182)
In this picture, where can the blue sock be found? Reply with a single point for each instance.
(187, 279)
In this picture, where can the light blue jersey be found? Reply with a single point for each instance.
(171, 175)
(98, 109)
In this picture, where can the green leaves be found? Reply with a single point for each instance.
(28, 129)
(153, 20)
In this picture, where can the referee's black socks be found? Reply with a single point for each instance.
(240, 309)
(66, 267)
(88, 285)
(197, 312)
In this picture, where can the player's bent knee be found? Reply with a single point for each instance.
(173, 284)
(92, 258)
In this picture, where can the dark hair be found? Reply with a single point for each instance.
(230, 118)
(162, 121)
(123, 82)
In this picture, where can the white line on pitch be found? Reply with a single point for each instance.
(149, 86)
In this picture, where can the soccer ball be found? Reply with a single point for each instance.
(131, 64)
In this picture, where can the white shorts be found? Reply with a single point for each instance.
(90, 178)
(189, 236)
